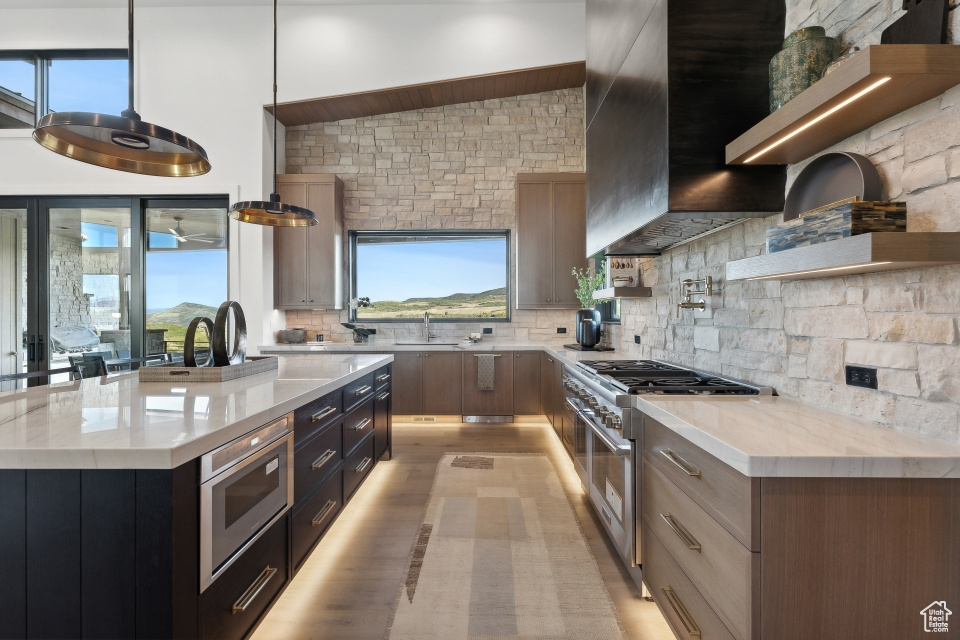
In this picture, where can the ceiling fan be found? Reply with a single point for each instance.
(194, 237)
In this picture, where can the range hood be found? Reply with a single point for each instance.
(669, 84)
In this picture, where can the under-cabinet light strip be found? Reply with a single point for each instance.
(818, 119)
(797, 273)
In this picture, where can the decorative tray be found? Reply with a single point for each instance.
(177, 372)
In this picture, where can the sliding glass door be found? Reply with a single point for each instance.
(109, 277)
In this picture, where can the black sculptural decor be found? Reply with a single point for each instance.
(218, 354)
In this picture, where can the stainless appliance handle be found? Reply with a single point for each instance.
(323, 413)
(617, 447)
(326, 511)
(323, 459)
(362, 425)
(254, 590)
(235, 452)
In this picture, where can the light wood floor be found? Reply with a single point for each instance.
(346, 589)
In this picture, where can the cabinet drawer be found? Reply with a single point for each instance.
(357, 466)
(233, 604)
(725, 572)
(316, 459)
(682, 605)
(381, 378)
(357, 425)
(382, 422)
(312, 417)
(357, 391)
(314, 517)
(730, 497)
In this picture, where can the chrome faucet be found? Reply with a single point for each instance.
(426, 324)
(688, 289)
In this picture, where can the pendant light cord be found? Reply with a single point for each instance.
(274, 95)
(130, 112)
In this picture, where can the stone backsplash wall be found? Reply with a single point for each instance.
(449, 167)
(797, 336)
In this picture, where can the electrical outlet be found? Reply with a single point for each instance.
(636, 339)
(865, 377)
(561, 329)
(488, 330)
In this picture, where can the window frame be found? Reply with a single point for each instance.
(41, 75)
(495, 233)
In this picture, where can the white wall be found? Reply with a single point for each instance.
(205, 72)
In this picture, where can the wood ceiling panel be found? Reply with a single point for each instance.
(433, 94)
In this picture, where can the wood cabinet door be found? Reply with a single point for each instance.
(570, 239)
(556, 389)
(498, 402)
(443, 382)
(535, 255)
(547, 394)
(324, 247)
(407, 382)
(526, 383)
(290, 254)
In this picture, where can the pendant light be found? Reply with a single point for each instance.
(124, 142)
(273, 213)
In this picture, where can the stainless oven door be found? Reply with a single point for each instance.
(238, 504)
(611, 487)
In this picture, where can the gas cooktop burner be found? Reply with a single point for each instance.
(689, 385)
(629, 366)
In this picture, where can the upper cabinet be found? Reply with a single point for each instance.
(551, 238)
(308, 261)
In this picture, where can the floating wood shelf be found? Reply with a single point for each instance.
(873, 85)
(622, 292)
(865, 253)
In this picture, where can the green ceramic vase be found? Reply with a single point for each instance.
(805, 54)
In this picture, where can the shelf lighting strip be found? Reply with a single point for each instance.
(781, 276)
(823, 115)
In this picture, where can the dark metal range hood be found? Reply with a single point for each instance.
(669, 84)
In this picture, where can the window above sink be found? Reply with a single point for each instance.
(455, 276)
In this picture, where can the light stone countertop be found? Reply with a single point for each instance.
(118, 422)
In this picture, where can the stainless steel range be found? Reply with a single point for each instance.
(607, 433)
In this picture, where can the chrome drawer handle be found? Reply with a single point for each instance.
(323, 459)
(326, 511)
(384, 395)
(685, 466)
(323, 413)
(688, 624)
(681, 532)
(363, 465)
(363, 425)
(253, 590)
(383, 377)
(362, 390)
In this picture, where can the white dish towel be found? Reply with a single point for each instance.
(485, 375)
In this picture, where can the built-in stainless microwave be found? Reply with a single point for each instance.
(245, 486)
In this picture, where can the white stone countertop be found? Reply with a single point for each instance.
(386, 346)
(117, 422)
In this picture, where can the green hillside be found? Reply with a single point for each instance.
(181, 314)
(486, 304)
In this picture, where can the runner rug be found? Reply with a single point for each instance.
(500, 554)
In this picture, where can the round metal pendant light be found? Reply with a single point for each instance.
(124, 142)
(273, 212)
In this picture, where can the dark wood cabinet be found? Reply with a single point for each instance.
(526, 383)
(312, 518)
(407, 383)
(357, 425)
(382, 418)
(551, 238)
(357, 467)
(498, 402)
(442, 382)
(308, 261)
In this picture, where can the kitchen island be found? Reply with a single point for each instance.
(101, 485)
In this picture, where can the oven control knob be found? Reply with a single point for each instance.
(614, 422)
(582, 393)
(599, 410)
(592, 402)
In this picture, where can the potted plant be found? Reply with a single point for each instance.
(588, 318)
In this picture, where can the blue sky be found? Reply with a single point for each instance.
(99, 86)
(397, 271)
(186, 276)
